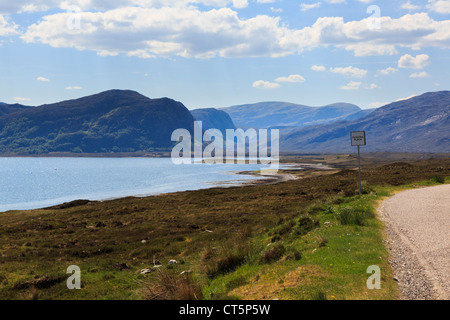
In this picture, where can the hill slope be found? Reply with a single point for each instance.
(283, 114)
(213, 119)
(11, 108)
(419, 124)
(111, 121)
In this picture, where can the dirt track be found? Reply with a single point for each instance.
(418, 230)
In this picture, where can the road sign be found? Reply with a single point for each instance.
(358, 138)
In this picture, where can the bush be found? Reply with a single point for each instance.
(355, 216)
(229, 260)
(366, 188)
(274, 254)
(294, 256)
(319, 295)
(172, 286)
(438, 179)
(305, 225)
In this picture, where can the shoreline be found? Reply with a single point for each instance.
(260, 179)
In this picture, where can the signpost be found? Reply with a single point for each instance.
(358, 139)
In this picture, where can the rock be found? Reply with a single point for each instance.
(145, 271)
(186, 272)
(172, 262)
(144, 241)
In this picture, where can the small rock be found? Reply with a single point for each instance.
(145, 271)
(171, 262)
(144, 241)
(186, 272)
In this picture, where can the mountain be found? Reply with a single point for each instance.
(287, 115)
(419, 124)
(111, 121)
(11, 108)
(214, 119)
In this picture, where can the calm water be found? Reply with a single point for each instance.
(29, 183)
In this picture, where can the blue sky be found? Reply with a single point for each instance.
(218, 53)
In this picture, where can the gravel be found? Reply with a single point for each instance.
(418, 232)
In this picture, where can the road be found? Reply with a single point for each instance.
(418, 231)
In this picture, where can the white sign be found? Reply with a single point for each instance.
(358, 138)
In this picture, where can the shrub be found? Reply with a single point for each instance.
(294, 256)
(316, 208)
(274, 254)
(172, 286)
(319, 295)
(305, 225)
(438, 179)
(229, 260)
(366, 188)
(323, 241)
(355, 216)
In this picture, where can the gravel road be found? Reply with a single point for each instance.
(418, 231)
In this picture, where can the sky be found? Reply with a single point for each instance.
(219, 53)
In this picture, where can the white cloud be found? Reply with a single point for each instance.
(240, 4)
(352, 85)
(20, 99)
(439, 6)
(169, 31)
(318, 68)
(20, 6)
(418, 62)
(422, 74)
(7, 28)
(42, 79)
(74, 88)
(265, 85)
(373, 86)
(276, 10)
(350, 71)
(305, 7)
(409, 6)
(387, 71)
(187, 31)
(292, 78)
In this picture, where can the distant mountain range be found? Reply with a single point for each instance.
(111, 121)
(288, 115)
(419, 124)
(126, 121)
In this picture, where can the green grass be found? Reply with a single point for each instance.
(334, 260)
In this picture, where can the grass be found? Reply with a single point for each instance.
(285, 241)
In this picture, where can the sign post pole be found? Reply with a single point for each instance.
(358, 139)
(359, 171)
